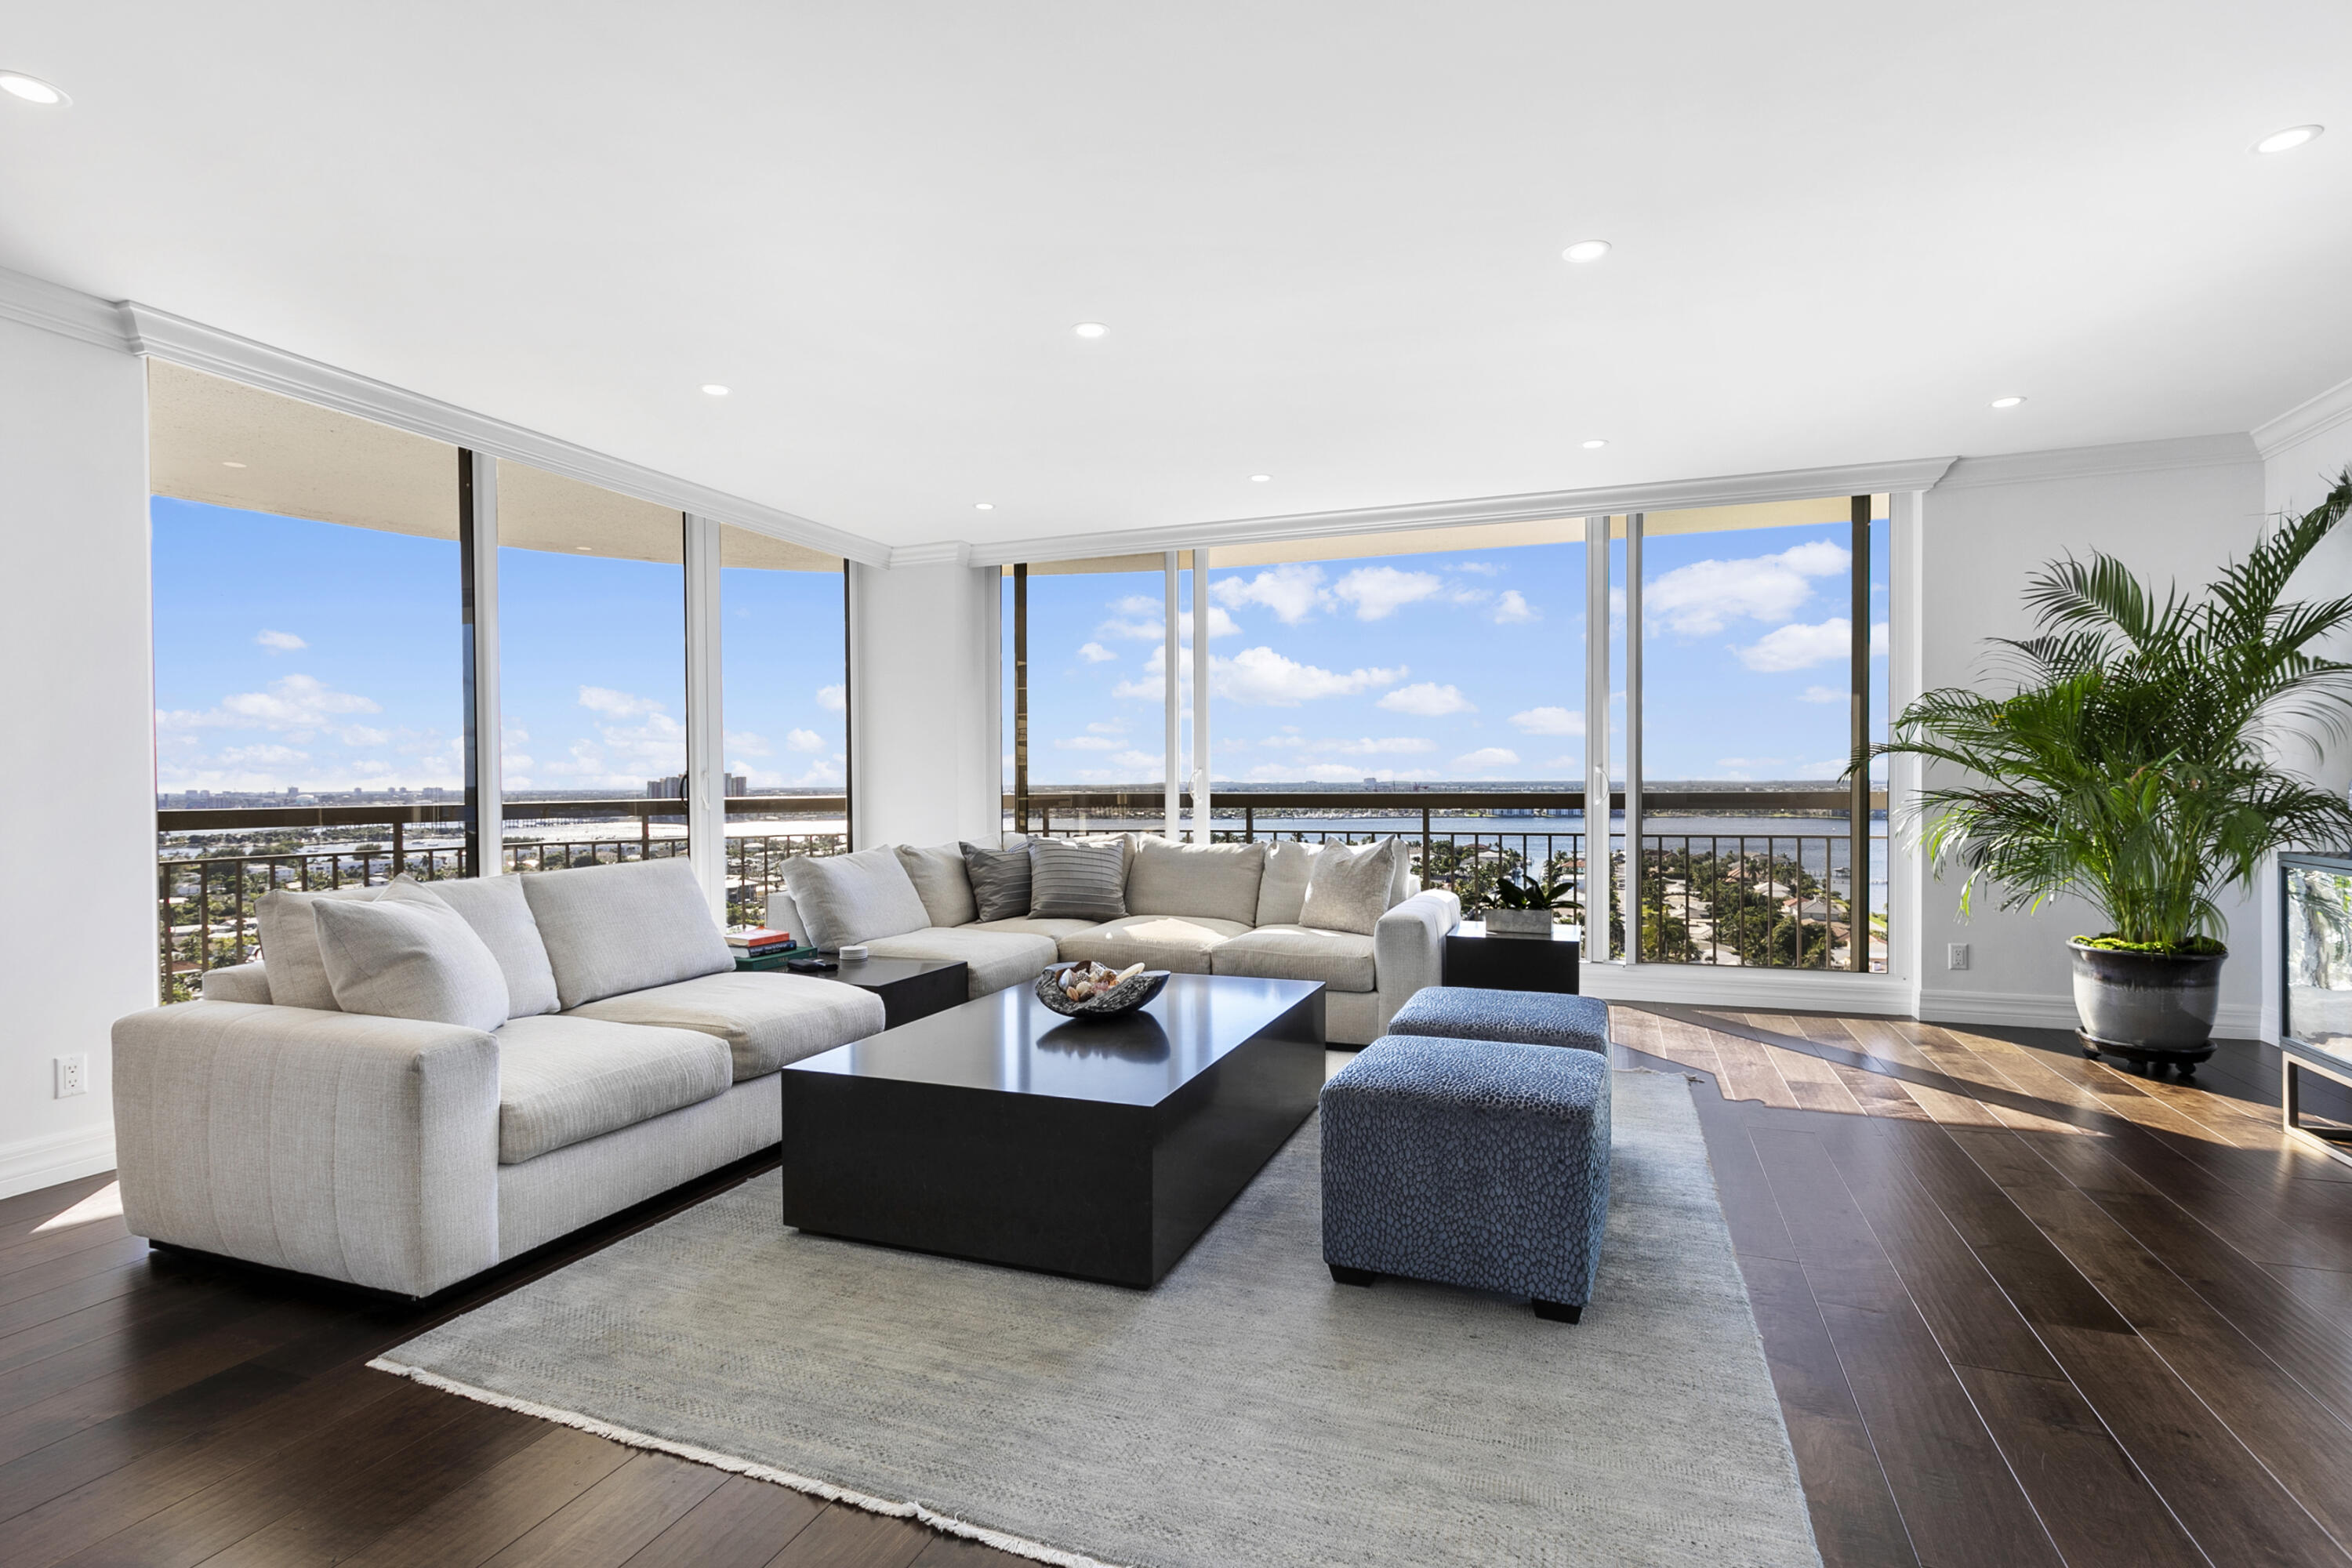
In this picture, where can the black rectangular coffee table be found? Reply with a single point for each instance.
(1002, 1131)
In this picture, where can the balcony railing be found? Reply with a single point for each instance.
(1764, 893)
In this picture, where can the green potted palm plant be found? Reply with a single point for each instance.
(2139, 765)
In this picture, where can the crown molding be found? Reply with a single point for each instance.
(1734, 489)
(2096, 462)
(69, 312)
(2304, 420)
(946, 553)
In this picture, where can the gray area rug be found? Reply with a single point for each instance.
(1245, 1412)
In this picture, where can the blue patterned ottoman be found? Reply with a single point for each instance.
(1477, 1163)
(1531, 1017)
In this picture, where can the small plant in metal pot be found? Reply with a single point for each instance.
(1524, 905)
(2140, 765)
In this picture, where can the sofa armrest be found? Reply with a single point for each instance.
(1409, 948)
(339, 1144)
(237, 983)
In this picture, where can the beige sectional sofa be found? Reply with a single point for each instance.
(265, 1124)
(1225, 909)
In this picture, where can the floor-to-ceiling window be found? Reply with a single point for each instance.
(309, 722)
(1096, 635)
(782, 610)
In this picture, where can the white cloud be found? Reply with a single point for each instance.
(1549, 721)
(1378, 591)
(1107, 726)
(1798, 646)
(832, 698)
(1427, 699)
(1088, 743)
(1095, 653)
(1363, 746)
(1292, 593)
(1704, 596)
(1147, 621)
(1487, 757)
(1570, 761)
(1513, 609)
(805, 741)
(1314, 773)
(299, 702)
(361, 735)
(745, 742)
(1260, 676)
(617, 704)
(280, 642)
(1145, 762)
(262, 756)
(1483, 568)
(1824, 694)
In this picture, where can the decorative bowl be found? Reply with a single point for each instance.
(1121, 999)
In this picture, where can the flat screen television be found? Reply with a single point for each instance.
(2317, 994)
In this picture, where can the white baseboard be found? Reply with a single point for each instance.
(36, 1162)
(1750, 990)
(2041, 1010)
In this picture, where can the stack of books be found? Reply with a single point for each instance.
(760, 942)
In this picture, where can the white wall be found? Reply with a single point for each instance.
(927, 742)
(2171, 510)
(78, 936)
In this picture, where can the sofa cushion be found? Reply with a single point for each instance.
(289, 946)
(854, 897)
(1350, 886)
(1282, 889)
(996, 959)
(1023, 925)
(409, 955)
(1000, 880)
(1157, 941)
(563, 1080)
(613, 929)
(1341, 959)
(942, 882)
(767, 1019)
(1070, 879)
(495, 907)
(1220, 880)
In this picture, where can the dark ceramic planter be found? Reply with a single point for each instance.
(2153, 1008)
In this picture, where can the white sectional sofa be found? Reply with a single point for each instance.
(1225, 909)
(266, 1123)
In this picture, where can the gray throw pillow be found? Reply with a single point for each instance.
(290, 945)
(1347, 890)
(1073, 880)
(853, 898)
(1000, 880)
(410, 957)
(942, 882)
(495, 907)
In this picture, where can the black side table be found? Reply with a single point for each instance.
(910, 988)
(1513, 963)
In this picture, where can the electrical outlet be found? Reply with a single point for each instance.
(73, 1075)
(1955, 956)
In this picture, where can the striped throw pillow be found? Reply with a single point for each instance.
(1000, 880)
(1077, 882)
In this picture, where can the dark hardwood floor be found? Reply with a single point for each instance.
(2019, 1307)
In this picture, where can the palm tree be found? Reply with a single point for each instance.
(2139, 763)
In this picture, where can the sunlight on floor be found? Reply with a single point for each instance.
(104, 1204)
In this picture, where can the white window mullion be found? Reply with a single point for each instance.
(706, 727)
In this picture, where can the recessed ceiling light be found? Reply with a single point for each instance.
(983, 506)
(2285, 140)
(1090, 329)
(581, 547)
(1261, 478)
(1590, 445)
(714, 389)
(32, 89)
(231, 463)
(1586, 250)
(2011, 402)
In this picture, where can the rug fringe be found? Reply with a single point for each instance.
(1036, 1550)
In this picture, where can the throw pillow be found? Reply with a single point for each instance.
(1219, 880)
(854, 897)
(495, 907)
(624, 927)
(1349, 888)
(942, 882)
(1282, 892)
(1071, 880)
(410, 957)
(290, 945)
(1000, 880)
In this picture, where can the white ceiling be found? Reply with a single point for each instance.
(1325, 236)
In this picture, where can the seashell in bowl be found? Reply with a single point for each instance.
(1103, 993)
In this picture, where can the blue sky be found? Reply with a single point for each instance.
(295, 654)
(1466, 665)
